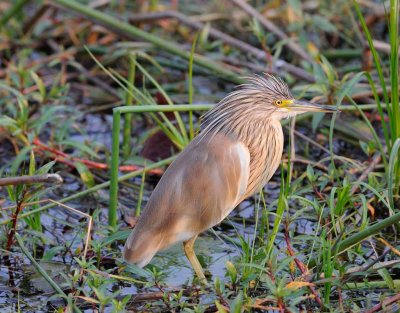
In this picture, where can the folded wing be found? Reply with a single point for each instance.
(198, 190)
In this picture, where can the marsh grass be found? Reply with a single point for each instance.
(391, 131)
(323, 233)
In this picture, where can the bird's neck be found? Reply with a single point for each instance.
(264, 139)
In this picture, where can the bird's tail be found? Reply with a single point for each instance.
(140, 247)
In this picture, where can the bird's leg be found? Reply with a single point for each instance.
(188, 247)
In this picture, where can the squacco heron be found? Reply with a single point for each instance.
(236, 153)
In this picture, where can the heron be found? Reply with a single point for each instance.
(238, 149)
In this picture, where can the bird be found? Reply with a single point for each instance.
(237, 150)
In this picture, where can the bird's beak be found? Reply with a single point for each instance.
(305, 106)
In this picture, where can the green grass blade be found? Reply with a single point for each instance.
(173, 133)
(191, 127)
(112, 210)
(36, 265)
(342, 93)
(369, 231)
(126, 139)
(374, 134)
(394, 77)
(375, 56)
(379, 106)
(279, 215)
(392, 170)
(140, 97)
(15, 9)
(394, 64)
(169, 101)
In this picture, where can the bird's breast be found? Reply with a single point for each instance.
(265, 149)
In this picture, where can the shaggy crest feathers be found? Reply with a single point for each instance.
(269, 84)
(248, 101)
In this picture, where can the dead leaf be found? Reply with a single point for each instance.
(295, 285)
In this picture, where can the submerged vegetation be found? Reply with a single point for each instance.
(95, 92)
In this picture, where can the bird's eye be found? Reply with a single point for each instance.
(278, 102)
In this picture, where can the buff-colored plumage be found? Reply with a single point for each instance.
(237, 151)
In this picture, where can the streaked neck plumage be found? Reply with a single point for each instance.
(247, 115)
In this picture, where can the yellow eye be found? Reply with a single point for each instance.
(278, 102)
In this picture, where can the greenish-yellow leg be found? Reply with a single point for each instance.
(188, 247)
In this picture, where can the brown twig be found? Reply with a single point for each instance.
(166, 301)
(35, 18)
(103, 85)
(361, 269)
(384, 303)
(366, 94)
(382, 46)
(305, 161)
(213, 33)
(313, 142)
(278, 66)
(273, 29)
(20, 205)
(375, 161)
(33, 179)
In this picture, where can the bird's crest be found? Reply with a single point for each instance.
(271, 85)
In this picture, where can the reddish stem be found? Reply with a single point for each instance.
(301, 267)
(385, 303)
(12, 231)
(62, 157)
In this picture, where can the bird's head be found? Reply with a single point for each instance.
(271, 97)
(261, 99)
